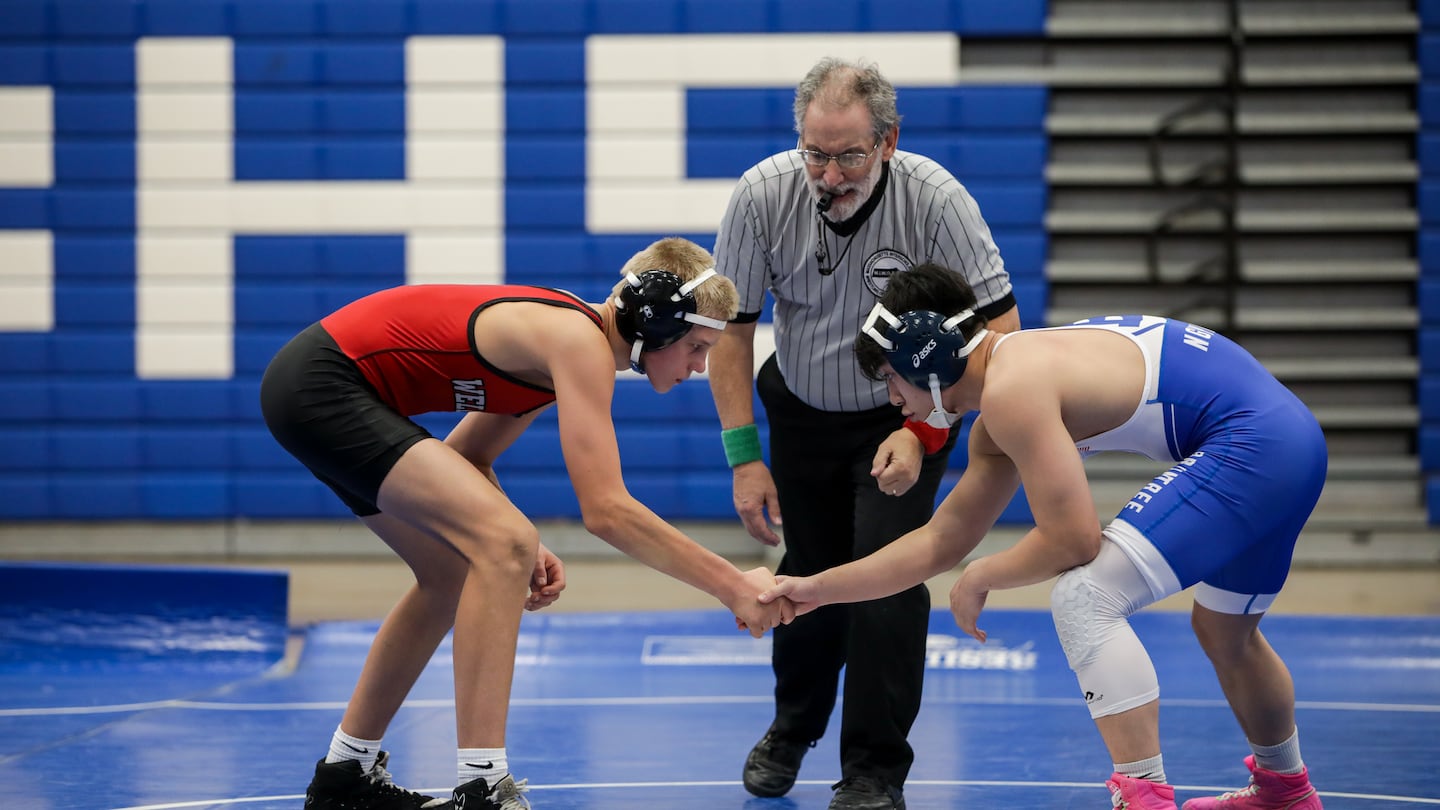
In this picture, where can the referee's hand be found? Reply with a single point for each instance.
(897, 463)
(754, 498)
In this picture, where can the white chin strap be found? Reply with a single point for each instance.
(940, 418)
(635, 349)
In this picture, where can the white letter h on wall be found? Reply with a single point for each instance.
(450, 206)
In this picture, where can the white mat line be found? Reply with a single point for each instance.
(681, 700)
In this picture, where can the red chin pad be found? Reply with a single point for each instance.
(931, 438)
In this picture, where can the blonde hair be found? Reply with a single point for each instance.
(715, 298)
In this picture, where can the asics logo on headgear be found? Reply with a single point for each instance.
(923, 353)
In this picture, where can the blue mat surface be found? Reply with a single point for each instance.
(615, 710)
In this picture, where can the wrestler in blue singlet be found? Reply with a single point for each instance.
(1250, 464)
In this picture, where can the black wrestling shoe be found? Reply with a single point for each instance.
(343, 786)
(773, 764)
(866, 793)
(478, 795)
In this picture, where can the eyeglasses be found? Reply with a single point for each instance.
(845, 160)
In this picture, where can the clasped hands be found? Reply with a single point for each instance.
(547, 580)
(755, 616)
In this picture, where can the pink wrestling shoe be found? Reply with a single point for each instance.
(1139, 794)
(1267, 790)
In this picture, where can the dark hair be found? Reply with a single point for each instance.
(927, 286)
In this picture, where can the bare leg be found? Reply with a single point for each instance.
(1132, 735)
(1255, 681)
(487, 627)
(410, 633)
(493, 546)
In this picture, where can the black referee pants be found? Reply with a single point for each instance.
(834, 512)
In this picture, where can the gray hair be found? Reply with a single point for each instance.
(842, 83)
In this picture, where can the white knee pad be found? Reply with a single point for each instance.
(1091, 606)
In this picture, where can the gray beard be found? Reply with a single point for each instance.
(842, 210)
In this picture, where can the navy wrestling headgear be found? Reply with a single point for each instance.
(927, 350)
(655, 309)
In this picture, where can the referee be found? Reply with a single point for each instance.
(822, 228)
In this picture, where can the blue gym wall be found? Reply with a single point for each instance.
(147, 291)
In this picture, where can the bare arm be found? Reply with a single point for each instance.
(957, 526)
(1022, 422)
(1029, 430)
(732, 382)
(584, 379)
(732, 375)
(482, 437)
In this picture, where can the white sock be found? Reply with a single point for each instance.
(1283, 758)
(344, 747)
(1151, 770)
(489, 764)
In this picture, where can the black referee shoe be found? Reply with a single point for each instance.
(866, 793)
(773, 764)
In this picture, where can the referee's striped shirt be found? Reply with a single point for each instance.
(768, 241)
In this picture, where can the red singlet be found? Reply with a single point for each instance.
(416, 345)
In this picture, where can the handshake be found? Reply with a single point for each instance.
(767, 601)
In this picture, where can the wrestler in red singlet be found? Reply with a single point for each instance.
(416, 345)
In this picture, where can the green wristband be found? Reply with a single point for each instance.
(742, 444)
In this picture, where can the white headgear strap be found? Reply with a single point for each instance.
(685, 289)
